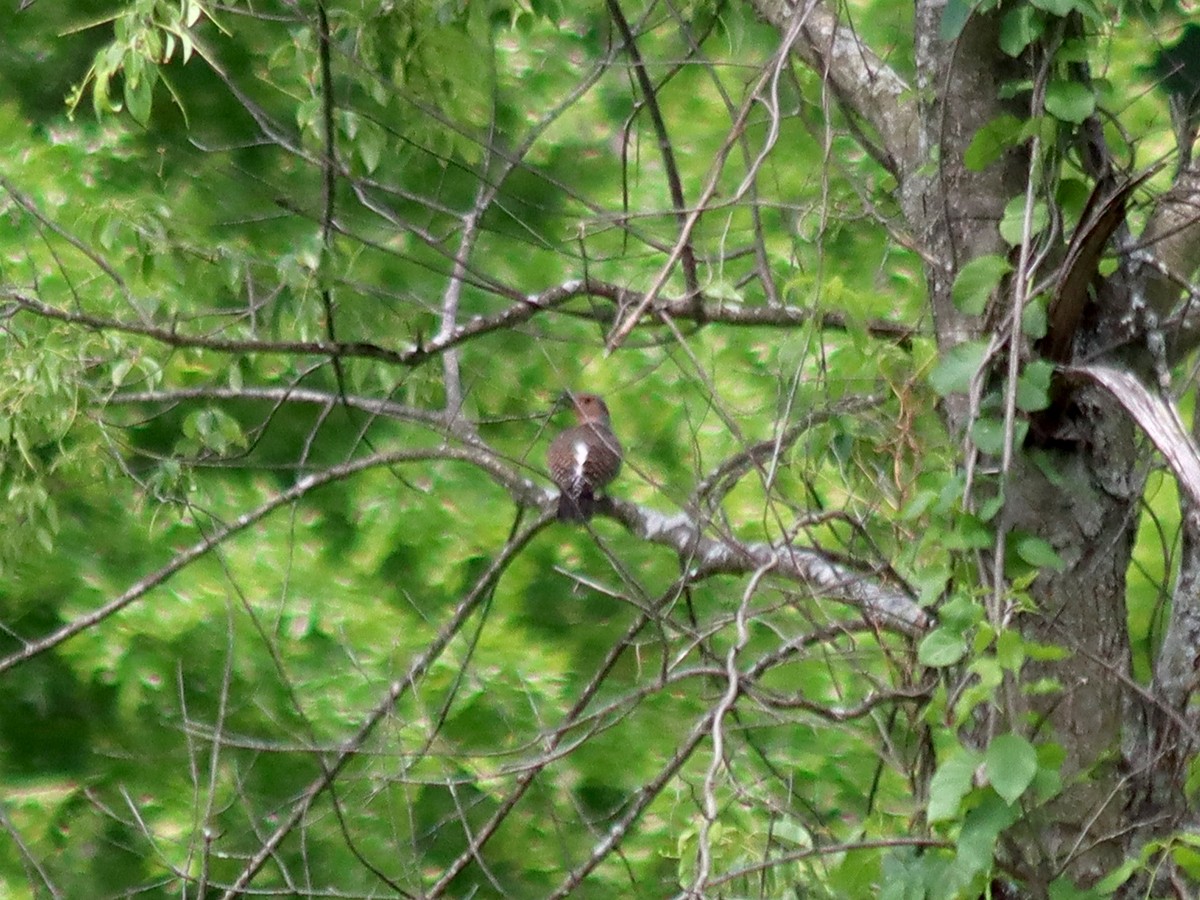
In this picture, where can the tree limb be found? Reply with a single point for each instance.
(1172, 236)
(707, 555)
(826, 578)
(1157, 416)
(721, 312)
(866, 87)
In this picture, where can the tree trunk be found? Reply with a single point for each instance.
(1081, 493)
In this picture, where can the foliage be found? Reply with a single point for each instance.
(289, 292)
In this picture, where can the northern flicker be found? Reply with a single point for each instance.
(583, 459)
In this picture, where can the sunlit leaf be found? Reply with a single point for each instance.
(977, 280)
(1070, 101)
(1011, 762)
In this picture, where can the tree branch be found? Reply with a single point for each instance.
(665, 148)
(1172, 236)
(706, 555)
(1157, 416)
(721, 312)
(416, 671)
(527, 492)
(824, 577)
(866, 87)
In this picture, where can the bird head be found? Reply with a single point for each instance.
(589, 408)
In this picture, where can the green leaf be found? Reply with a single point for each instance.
(1070, 101)
(120, 370)
(950, 783)
(857, 874)
(989, 507)
(1056, 7)
(976, 281)
(1033, 318)
(1047, 783)
(969, 533)
(1010, 89)
(918, 505)
(954, 19)
(1039, 554)
(907, 876)
(1072, 196)
(370, 145)
(988, 433)
(1188, 860)
(1042, 687)
(991, 140)
(1019, 28)
(1011, 763)
(1010, 650)
(959, 613)
(139, 96)
(940, 648)
(1191, 786)
(1033, 386)
(954, 371)
(1107, 885)
(977, 840)
(989, 670)
(1012, 224)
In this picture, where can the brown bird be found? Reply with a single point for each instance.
(584, 458)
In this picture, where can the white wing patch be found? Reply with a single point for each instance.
(581, 455)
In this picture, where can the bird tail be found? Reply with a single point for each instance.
(576, 509)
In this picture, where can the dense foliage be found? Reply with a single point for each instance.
(289, 294)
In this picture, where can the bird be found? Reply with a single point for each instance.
(583, 458)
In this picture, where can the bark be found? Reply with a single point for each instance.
(1172, 237)
(1087, 511)
(955, 212)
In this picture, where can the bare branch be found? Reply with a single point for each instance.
(1104, 213)
(32, 864)
(769, 77)
(399, 687)
(722, 312)
(724, 707)
(827, 850)
(96, 259)
(671, 170)
(376, 406)
(823, 576)
(516, 485)
(484, 833)
(866, 87)
(726, 476)
(1175, 670)
(643, 798)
